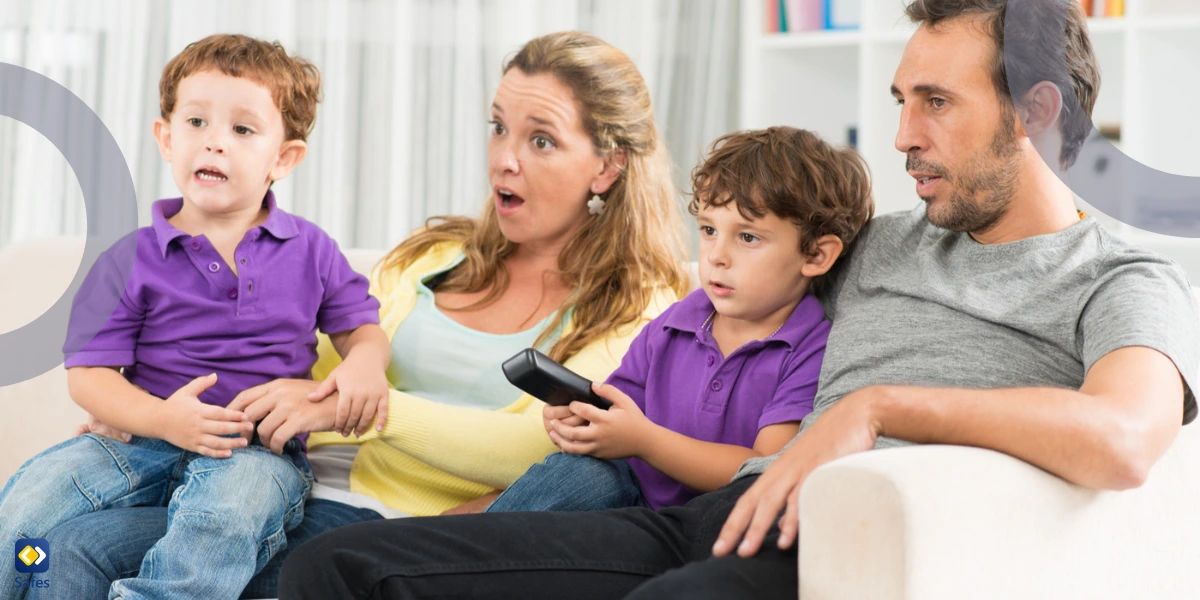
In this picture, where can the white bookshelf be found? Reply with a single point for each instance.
(829, 81)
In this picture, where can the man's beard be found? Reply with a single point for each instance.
(983, 188)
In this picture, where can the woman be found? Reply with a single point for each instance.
(578, 247)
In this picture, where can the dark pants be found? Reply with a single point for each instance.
(621, 553)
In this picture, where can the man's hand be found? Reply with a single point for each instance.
(849, 427)
(618, 432)
(285, 411)
(363, 396)
(94, 425)
(198, 427)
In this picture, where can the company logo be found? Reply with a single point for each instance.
(32, 555)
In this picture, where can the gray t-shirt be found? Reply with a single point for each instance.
(915, 304)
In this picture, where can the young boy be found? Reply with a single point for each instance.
(728, 372)
(226, 293)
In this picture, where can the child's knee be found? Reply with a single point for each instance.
(252, 483)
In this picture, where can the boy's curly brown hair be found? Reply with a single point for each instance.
(295, 83)
(791, 173)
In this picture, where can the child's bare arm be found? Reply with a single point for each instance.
(368, 340)
(624, 431)
(108, 396)
(707, 466)
(361, 379)
(181, 419)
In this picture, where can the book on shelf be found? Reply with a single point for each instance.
(1103, 8)
(784, 16)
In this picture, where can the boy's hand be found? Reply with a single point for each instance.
(618, 432)
(362, 396)
(193, 425)
(94, 425)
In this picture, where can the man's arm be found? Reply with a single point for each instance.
(1108, 434)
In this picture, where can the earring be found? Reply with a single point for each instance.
(596, 205)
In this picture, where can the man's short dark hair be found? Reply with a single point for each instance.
(1048, 42)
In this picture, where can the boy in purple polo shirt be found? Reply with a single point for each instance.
(226, 293)
(728, 372)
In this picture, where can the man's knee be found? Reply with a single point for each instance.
(769, 576)
(677, 583)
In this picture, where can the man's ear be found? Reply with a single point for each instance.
(290, 155)
(613, 166)
(1041, 109)
(827, 249)
(162, 135)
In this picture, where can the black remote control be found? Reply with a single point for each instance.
(540, 377)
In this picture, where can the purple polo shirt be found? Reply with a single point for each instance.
(184, 313)
(675, 373)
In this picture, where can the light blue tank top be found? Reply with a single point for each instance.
(439, 359)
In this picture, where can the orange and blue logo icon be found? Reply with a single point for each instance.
(32, 555)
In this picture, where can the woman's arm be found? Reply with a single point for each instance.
(493, 447)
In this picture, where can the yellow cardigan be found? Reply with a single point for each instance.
(431, 456)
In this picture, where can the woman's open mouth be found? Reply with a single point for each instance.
(508, 203)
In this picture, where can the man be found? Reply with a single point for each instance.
(992, 316)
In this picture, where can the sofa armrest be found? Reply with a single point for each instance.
(951, 522)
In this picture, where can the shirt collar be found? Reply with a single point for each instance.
(279, 223)
(692, 312)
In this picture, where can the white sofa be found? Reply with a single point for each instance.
(928, 523)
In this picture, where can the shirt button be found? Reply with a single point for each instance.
(710, 361)
(232, 293)
(195, 245)
(243, 261)
(716, 385)
(214, 267)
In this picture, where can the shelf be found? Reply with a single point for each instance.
(1106, 25)
(1168, 23)
(812, 39)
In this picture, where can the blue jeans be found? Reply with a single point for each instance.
(572, 482)
(92, 551)
(226, 518)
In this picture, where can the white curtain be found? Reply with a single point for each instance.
(401, 133)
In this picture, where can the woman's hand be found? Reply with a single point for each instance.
(560, 414)
(618, 432)
(94, 425)
(477, 505)
(284, 410)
